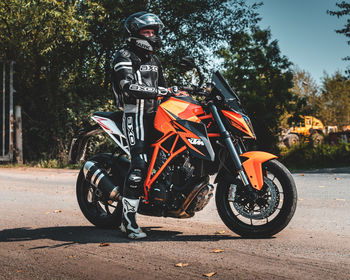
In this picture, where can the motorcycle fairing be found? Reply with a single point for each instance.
(253, 167)
(196, 138)
(181, 116)
(176, 108)
(239, 122)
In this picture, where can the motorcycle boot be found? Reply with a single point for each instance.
(129, 225)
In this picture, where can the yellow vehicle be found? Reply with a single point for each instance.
(306, 127)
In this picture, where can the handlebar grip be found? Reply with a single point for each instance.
(187, 88)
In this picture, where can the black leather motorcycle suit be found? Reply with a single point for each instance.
(136, 80)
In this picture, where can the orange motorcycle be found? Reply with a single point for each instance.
(255, 194)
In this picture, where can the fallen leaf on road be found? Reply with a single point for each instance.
(300, 199)
(104, 244)
(220, 232)
(71, 257)
(181, 264)
(336, 178)
(302, 174)
(218, 251)
(57, 211)
(209, 274)
(18, 271)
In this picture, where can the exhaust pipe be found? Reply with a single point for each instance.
(97, 178)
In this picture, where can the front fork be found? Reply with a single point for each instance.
(230, 147)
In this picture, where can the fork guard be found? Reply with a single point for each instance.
(253, 167)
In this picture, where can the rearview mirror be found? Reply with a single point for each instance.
(187, 63)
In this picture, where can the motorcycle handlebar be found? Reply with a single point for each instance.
(187, 88)
(197, 91)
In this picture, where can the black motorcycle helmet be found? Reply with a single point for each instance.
(142, 20)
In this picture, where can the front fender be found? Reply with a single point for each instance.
(253, 167)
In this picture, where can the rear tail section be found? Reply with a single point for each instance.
(111, 123)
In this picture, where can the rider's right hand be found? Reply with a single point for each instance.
(164, 92)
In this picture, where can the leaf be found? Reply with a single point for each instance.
(300, 199)
(210, 274)
(336, 178)
(220, 232)
(302, 174)
(218, 251)
(181, 264)
(104, 244)
(18, 271)
(57, 211)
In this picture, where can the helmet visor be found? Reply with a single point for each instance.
(147, 20)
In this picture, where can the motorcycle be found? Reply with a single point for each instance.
(255, 194)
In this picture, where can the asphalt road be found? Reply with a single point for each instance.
(43, 235)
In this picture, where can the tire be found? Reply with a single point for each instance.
(317, 139)
(280, 210)
(98, 211)
(291, 140)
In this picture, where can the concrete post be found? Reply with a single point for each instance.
(19, 141)
(11, 117)
(3, 108)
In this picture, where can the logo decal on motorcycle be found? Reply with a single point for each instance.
(151, 68)
(195, 141)
(131, 134)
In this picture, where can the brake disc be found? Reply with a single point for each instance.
(262, 207)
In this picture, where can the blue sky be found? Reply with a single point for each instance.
(306, 34)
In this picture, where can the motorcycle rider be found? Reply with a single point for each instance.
(137, 82)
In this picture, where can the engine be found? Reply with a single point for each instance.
(169, 188)
(176, 182)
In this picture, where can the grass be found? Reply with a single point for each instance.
(52, 163)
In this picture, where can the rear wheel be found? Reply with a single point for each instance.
(261, 213)
(98, 210)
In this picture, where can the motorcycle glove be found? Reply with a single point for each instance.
(145, 92)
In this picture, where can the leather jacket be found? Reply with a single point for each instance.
(137, 76)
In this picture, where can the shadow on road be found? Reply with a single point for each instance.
(83, 235)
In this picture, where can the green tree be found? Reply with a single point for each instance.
(42, 37)
(335, 100)
(343, 11)
(63, 51)
(306, 89)
(263, 80)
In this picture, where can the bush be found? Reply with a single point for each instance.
(306, 155)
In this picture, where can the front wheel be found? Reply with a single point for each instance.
(258, 214)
